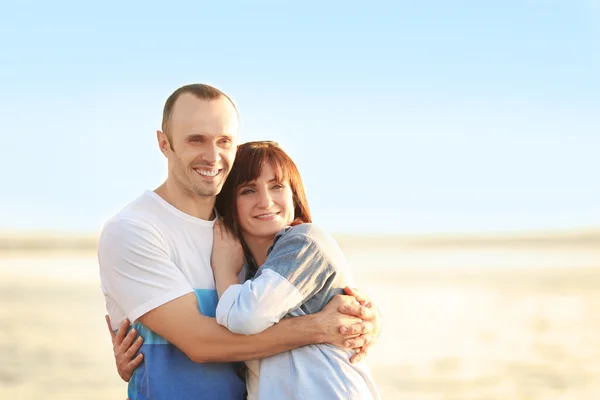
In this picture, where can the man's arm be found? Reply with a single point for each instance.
(139, 275)
(295, 271)
(327, 326)
(203, 340)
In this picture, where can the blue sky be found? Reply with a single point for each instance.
(429, 116)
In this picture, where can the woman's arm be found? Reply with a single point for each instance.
(294, 272)
(228, 250)
(227, 258)
(322, 327)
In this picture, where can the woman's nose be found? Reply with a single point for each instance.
(265, 200)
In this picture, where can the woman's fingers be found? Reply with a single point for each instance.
(217, 230)
(136, 361)
(112, 333)
(134, 348)
(121, 332)
(126, 344)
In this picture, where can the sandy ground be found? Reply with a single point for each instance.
(452, 331)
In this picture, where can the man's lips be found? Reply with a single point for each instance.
(208, 172)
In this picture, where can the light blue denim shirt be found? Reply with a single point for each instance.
(304, 269)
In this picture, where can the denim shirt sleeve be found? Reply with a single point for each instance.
(295, 270)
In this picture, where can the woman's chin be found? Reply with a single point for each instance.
(268, 231)
(265, 229)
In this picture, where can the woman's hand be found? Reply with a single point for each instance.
(227, 253)
(125, 348)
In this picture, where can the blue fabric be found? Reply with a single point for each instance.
(166, 373)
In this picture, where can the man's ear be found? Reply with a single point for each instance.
(163, 142)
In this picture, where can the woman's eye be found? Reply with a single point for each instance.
(277, 187)
(246, 191)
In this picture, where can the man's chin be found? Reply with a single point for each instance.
(208, 191)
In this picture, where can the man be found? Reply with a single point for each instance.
(154, 259)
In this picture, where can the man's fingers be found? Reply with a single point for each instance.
(121, 332)
(370, 340)
(358, 342)
(112, 333)
(131, 350)
(359, 356)
(357, 310)
(355, 343)
(359, 295)
(362, 353)
(367, 340)
(357, 329)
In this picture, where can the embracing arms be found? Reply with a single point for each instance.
(130, 258)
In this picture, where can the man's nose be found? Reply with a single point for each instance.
(211, 154)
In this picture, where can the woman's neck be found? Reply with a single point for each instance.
(258, 247)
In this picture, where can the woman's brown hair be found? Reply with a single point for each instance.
(249, 161)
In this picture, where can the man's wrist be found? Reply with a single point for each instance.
(309, 328)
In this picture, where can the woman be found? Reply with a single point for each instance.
(297, 268)
(294, 269)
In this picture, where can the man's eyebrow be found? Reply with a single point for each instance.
(204, 136)
(195, 136)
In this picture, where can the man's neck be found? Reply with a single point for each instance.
(185, 201)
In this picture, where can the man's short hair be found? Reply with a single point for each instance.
(200, 90)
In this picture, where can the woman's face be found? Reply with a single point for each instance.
(264, 206)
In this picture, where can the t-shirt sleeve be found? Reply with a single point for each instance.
(295, 270)
(136, 270)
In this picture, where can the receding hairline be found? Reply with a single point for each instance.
(201, 91)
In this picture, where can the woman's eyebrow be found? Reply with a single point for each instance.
(249, 184)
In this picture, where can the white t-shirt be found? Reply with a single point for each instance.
(149, 254)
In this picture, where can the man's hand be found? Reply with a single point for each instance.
(368, 331)
(350, 329)
(124, 348)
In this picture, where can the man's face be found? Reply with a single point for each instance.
(204, 135)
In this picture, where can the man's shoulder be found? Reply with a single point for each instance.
(134, 220)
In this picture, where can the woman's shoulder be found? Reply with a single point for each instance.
(307, 232)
